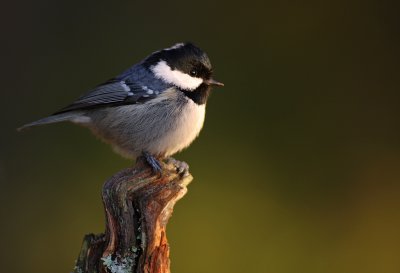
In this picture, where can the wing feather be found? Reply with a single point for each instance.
(112, 93)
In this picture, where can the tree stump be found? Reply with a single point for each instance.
(138, 205)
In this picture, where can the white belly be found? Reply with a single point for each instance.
(161, 127)
(186, 129)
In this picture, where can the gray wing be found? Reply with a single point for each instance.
(112, 93)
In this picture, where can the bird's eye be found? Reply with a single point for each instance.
(193, 72)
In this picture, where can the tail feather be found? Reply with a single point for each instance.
(77, 117)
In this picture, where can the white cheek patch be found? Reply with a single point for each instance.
(163, 71)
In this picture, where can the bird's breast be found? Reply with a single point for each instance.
(185, 127)
(161, 126)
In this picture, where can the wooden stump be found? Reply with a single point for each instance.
(137, 206)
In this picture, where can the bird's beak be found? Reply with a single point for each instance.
(214, 82)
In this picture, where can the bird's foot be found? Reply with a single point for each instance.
(153, 163)
(182, 167)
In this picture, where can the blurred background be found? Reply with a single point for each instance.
(296, 170)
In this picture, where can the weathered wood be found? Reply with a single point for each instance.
(137, 206)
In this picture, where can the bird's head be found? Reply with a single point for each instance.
(183, 65)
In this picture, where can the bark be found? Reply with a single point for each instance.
(137, 207)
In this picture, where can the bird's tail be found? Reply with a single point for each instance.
(77, 117)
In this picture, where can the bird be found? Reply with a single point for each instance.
(153, 109)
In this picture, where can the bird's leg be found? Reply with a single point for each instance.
(153, 162)
(181, 166)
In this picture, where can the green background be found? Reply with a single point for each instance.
(296, 170)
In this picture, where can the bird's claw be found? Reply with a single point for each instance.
(182, 167)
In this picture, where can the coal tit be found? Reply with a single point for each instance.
(153, 109)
